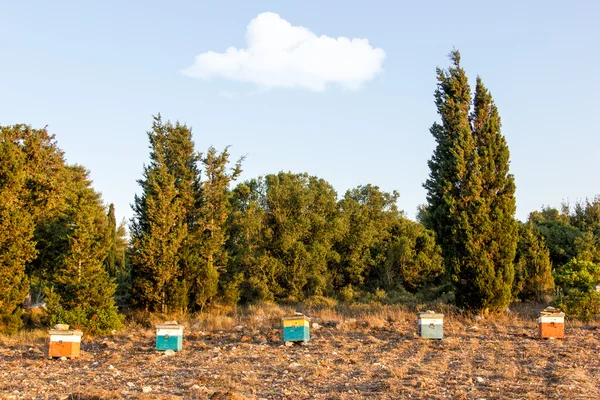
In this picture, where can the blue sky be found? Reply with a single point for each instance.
(96, 73)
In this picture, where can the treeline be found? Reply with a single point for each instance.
(283, 237)
(198, 238)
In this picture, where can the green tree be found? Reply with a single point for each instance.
(576, 281)
(533, 268)
(117, 260)
(213, 214)
(559, 235)
(182, 161)
(81, 292)
(411, 258)
(367, 214)
(302, 223)
(470, 193)
(586, 216)
(158, 228)
(247, 243)
(16, 229)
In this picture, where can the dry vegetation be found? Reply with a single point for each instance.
(362, 353)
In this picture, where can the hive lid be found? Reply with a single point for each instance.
(296, 316)
(169, 325)
(551, 312)
(64, 332)
(428, 313)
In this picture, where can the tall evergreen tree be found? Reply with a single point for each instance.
(158, 228)
(81, 292)
(117, 261)
(533, 269)
(113, 257)
(470, 193)
(16, 230)
(182, 161)
(212, 233)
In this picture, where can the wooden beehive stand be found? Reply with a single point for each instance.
(430, 325)
(296, 328)
(64, 342)
(169, 336)
(551, 324)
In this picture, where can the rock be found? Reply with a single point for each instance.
(473, 328)
(316, 326)
(331, 324)
(130, 385)
(61, 327)
(479, 379)
(111, 367)
(195, 387)
(63, 358)
(238, 328)
(245, 339)
(146, 389)
(169, 353)
(294, 365)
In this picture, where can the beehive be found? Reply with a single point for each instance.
(551, 324)
(169, 336)
(64, 343)
(296, 329)
(430, 325)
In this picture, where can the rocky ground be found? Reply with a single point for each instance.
(377, 356)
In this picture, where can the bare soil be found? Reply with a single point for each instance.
(373, 356)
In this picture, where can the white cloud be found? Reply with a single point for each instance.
(281, 55)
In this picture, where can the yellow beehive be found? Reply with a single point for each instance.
(551, 324)
(64, 343)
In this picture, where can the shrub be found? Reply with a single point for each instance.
(577, 296)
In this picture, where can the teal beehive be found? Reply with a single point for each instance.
(431, 325)
(296, 329)
(169, 336)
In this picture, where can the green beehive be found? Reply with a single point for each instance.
(431, 325)
(169, 336)
(296, 329)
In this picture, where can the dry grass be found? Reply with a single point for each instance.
(360, 352)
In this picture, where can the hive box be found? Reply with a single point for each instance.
(296, 329)
(169, 337)
(431, 325)
(64, 343)
(551, 324)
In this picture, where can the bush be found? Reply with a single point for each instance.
(92, 320)
(577, 296)
(578, 304)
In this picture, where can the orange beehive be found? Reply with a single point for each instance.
(551, 324)
(64, 343)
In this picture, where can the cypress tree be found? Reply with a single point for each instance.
(81, 292)
(533, 269)
(470, 193)
(157, 228)
(182, 161)
(112, 257)
(16, 230)
(212, 230)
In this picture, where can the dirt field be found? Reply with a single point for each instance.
(368, 355)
